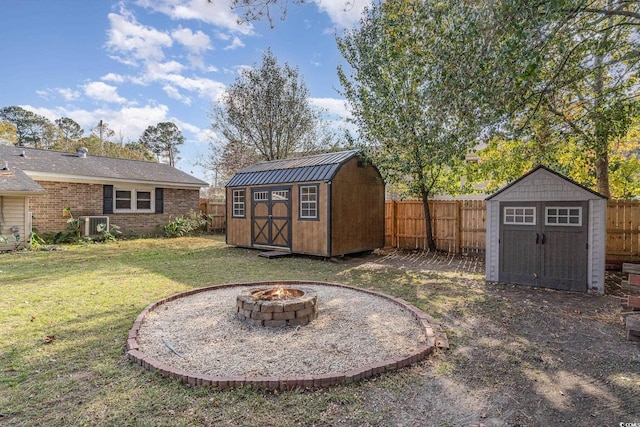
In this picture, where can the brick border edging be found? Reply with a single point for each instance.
(287, 382)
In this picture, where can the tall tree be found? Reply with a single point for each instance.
(574, 63)
(413, 135)
(69, 131)
(32, 130)
(163, 140)
(103, 132)
(7, 133)
(265, 114)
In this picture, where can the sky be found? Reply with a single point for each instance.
(136, 63)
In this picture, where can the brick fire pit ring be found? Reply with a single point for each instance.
(297, 308)
(172, 363)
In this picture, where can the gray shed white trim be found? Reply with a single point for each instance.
(540, 191)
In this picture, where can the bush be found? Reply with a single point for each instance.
(184, 225)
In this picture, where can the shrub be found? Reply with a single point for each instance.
(184, 225)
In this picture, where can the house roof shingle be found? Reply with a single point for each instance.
(39, 164)
(320, 167)
(17, 182)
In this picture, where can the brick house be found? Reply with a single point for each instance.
(139, 197)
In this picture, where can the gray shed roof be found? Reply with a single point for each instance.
(47, 163)
(320, 167)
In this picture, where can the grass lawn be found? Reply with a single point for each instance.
(85, 299)
(65, 316)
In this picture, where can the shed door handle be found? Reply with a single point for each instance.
(542, 238)
(537, 238)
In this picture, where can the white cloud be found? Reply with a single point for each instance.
(197, 42)
(129, 122)
(103, 92)
(112, 77)
(236, 43)
(343, 13)
(68, 94)
(333, 106)
(174, 93)
(206, 88)
(132, 42)
(218, 13)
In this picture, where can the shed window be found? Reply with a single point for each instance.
(519, 216)
(280, 195)
(563, 216)
(260, 196)
(238, 203)
(309, 202)
(133, 200)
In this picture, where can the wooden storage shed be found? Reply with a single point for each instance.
(546, 230)
(326, 205)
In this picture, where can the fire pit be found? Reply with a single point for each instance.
(277, 307)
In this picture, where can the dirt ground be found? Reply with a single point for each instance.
(520, 356)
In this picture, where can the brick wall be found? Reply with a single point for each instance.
(86, 200)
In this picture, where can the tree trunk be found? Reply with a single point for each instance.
(431, 243)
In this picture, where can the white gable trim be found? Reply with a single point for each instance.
(54, 177)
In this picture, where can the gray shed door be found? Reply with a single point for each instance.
(544, 244)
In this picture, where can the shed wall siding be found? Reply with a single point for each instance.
(357, 203)
(309, 236)
(492, 258)
(239, 229)
(86, 200)
(14, 213)
(544, 186)
(597, 244)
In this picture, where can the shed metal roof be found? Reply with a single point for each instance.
(320, 167)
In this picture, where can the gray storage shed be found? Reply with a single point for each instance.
(546, 230)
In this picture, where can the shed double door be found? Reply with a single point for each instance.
(544, 244)
(271, 217)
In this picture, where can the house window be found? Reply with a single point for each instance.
(309, 202)
(131, 200)
(143, 200)
(238, 203)
(519, 216)
(123, 200)
(563, 216)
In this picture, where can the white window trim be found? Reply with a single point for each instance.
(557, 224)
(243, 203)
(504, 217)
(134, 200)
(314, 202)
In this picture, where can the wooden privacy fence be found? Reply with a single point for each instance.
(458, 225)
(623, 230)
(216, 212)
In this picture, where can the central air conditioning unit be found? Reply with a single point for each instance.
(90, 225)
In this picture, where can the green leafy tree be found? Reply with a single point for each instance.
(103, 132)
(69, 131)
(572, 63)
(7, 133)
(163, 140)
(32, 130)
(266, 115)
(415, 136)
